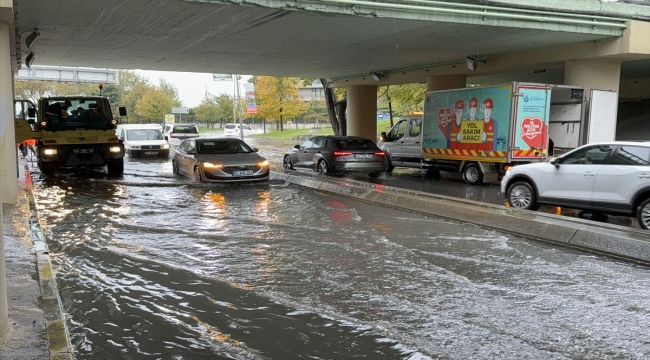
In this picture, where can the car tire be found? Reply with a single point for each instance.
(175, 169)
(643, 214)
(373, 175)
(323, 168)
(521, 195)
(472, 174)
(115, 167)
(286, 163)
(197, 174)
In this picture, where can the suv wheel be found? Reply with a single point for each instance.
(643, 214)
(322, 168)
(521, 195)
(286, 163)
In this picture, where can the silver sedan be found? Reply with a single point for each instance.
(219, 160)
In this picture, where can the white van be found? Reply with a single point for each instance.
(143, 140)
(233, 130)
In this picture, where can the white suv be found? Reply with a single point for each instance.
(175, 133)
(607, 177)
(233, 130)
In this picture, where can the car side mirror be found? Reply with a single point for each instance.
(555, 162)
(256, 149)
(31, 121)
(31, 112)
(297, 147)
(122, 110)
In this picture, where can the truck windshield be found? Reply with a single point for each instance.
(77, 113)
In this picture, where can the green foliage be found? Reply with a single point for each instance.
(276, 96)
(154, 104)
(404, 98)
(215, 109)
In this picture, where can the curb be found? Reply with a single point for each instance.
(58, 338)
(607, 239)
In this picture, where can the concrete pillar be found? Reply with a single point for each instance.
(7, 161)
(446, 82)
(598, 74)
(362, 111)
(8, 152)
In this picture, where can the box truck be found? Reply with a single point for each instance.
(481, 131)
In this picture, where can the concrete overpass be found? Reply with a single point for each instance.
(591, 43)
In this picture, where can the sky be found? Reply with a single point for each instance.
(192, 86)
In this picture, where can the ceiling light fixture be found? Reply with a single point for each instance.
(377, 76)
(29, 59)
(472, 62)
(31, 37)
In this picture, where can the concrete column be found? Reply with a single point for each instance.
(446, 82)
(7, 161)
(598, 74)
(362, 111)
(8, 153)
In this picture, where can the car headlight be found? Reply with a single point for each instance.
(115, 149)
(49, 151)
(208, 165)
(264, 163)
(165, 146)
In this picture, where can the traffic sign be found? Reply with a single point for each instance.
(222, 77)
(181, 110)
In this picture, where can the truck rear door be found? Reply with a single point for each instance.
(529, 135)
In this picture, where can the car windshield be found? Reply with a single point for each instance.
(356, 144)
(185, 129)
(144, 134)
(223, 147)
(78, 113)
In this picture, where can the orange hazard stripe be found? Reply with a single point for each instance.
(463, 152)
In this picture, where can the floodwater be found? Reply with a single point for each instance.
(150, 266)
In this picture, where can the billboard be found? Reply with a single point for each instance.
(251, 106)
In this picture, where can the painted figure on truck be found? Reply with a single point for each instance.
(488, 136)
(456, 135)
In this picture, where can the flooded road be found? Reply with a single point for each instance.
(150, 266)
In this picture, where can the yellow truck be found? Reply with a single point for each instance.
(71, 131)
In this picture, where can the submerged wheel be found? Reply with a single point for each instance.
(521, 195)
(46, 167)
(390, 167)
(198, 177)
(286, 163)
(322, 168)
(643, 214)
(373, 174)
(175, 168)
(115, 167)
(472, 174)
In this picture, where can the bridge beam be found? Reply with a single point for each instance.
(446, 82)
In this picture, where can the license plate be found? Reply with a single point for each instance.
(151, 152)
(82, 151)
(242, 172)
(363, 156)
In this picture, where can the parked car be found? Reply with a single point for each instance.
(606, 177)
(234, 130)
(219, 160)
(337, 154)
(142, 140)
(175, 133)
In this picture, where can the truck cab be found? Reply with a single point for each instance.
(71, 131)
(403, 143)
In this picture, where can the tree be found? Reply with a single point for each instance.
(277, 97)
(127, 81)
(154, 104)
(170, 90)
(407, 97)
(336, 104)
